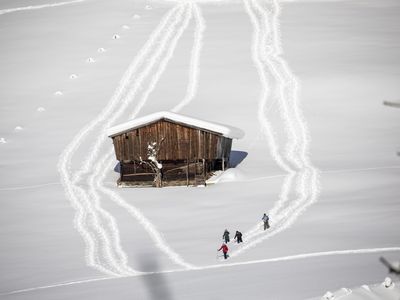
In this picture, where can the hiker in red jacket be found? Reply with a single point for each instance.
(224, 249)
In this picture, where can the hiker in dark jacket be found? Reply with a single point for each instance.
(265, 219)
(238, 237)
(225, 236)
(224, 249)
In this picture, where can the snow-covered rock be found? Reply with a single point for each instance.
(116, 36)
(387, 290)
(18, 128)
(136, 17)
(58, 93)
(126, 27)
(148, 7)
(101, 50)
(90, 60)
(73, 76)
(366, 287)
(40, 109)
(388, 283)
(3, 141)
(328, 296)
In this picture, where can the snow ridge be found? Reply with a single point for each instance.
(302, 178)
(35, 7)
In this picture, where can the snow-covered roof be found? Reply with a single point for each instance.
(225, 130)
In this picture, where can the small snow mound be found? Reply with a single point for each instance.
(126, 27)
(40, 109)
(231, 175)
(366, 287)
(58, 93)
(345, 291)
(136, 17)
(116, 36)
(18, 128)
(90, 60)
(387, 290)
(328, 296)
(101, 50)
(3, 141)
(148, 7)
(388, 283)
(73, 76)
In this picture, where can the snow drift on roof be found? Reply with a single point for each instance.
(225, 130)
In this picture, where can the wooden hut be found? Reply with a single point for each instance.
(166, 148)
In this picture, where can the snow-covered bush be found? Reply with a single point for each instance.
(388, 283)
(152, 154)
(153, 149)
(328, 296)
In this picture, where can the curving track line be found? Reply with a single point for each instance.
(224, 265)
(195, 60)
(302, 179)
(36, 7)
(108, 258)
(267, 129)
(105, 163)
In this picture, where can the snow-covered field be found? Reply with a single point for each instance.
(305, 80)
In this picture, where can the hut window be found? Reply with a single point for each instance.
(126, 136)
(137, 132)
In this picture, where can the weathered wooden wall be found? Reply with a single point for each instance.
(180, 142)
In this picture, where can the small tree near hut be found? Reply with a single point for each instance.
(153, 148)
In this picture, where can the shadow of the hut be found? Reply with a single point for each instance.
(236, 158)
(117, 168)
(156, 284)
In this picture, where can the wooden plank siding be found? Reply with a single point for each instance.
(180, 142)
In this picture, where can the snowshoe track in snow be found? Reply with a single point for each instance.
(292, 157)
(98, 227)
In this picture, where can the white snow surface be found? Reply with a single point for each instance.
(305, 80)
(225, 130)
